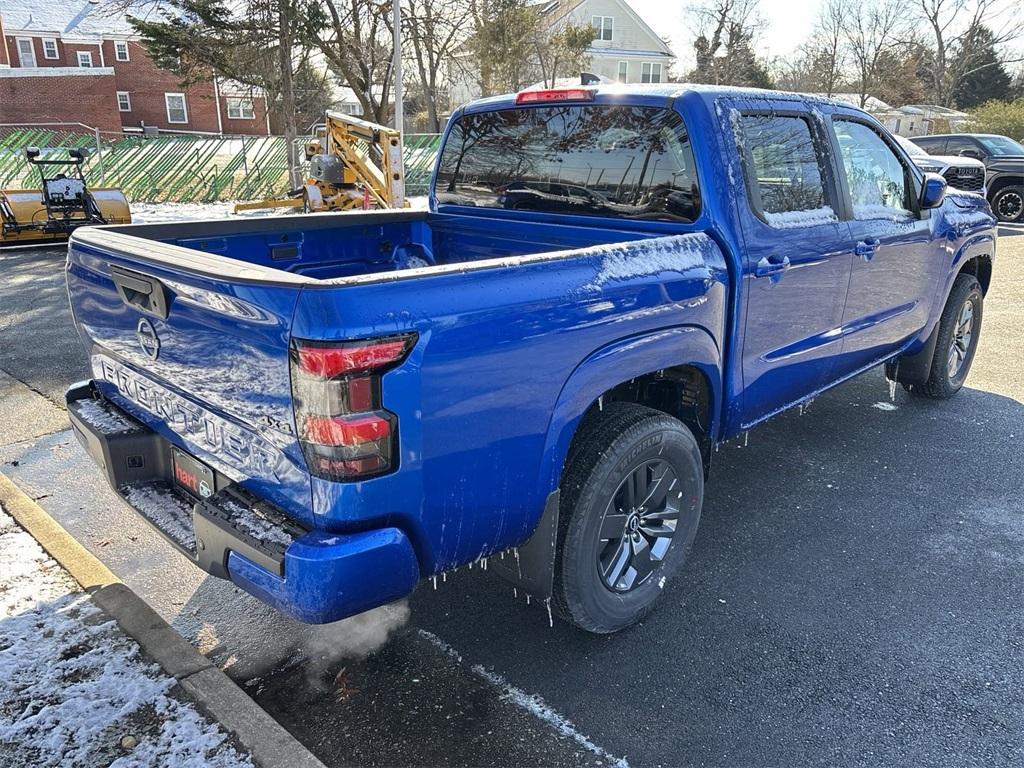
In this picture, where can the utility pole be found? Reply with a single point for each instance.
(396, 22)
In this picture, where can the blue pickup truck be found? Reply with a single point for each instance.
(609, 282)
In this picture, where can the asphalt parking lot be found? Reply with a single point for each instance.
(855, 595)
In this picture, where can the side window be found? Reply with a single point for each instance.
(932, 146)
(960, 144)
(877, 180)
(783, 171)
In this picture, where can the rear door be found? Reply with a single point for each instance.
(202, 359)
(797, 255)
(897, 264)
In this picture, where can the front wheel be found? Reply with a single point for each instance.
(631, 499)
(1008, 204)
(959, 331)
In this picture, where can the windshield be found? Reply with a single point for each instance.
(1001, 145)
(911, 148)
(622, 161)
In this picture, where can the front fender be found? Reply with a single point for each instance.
(618, 362)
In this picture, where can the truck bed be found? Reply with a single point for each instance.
(332, 247)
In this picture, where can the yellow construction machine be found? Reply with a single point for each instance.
(63, 203)
(353, 163)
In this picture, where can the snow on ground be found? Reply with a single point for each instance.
(152, 213)
(75, 690)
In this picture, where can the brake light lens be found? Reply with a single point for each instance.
(344, 431)
(555, 94)
(330, 361)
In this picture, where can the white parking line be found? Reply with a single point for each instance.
(532, 703)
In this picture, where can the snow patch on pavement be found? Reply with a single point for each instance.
(532, 703)
(884, 406)
(76, 691)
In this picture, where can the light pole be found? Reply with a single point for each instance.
(396, 22)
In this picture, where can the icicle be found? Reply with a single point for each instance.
(471, 566)
(892, 390)
(434, 579)
(527, 598)
(801, 409)
(444, 577)
(515, 593)
(600, 403)
(483, 564)
(551, 619)
(746, 438)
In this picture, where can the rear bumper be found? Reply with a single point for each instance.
(314, 576)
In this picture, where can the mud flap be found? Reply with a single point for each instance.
(914, 369)
(533, 570)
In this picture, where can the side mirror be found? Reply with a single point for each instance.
(970, 153)
(932, 191)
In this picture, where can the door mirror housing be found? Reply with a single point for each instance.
(933, 191)
(970, 153)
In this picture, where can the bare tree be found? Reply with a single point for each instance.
(953, 25)
(873, 31)
(436, 29)
(354, 37)
(825, 48)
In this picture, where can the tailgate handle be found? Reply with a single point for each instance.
(145, 293)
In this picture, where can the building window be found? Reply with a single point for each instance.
(623, 75)
(240, 109)
(121, 50)
(50, 48)
(650, 72)
(84, 59)
(124, 101)
(26, 52)
(602, 27)
(177, 112)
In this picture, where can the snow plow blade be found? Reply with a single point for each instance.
(24, 218)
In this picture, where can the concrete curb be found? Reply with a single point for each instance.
(216, 694)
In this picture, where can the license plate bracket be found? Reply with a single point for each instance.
(191, 475)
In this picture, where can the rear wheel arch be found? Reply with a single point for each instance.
(663, 355)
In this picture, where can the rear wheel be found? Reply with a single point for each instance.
(959, 330)
(631, 499)
(1008, 204)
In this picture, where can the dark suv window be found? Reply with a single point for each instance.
(956, 145)
(931, 146)
(622, 161)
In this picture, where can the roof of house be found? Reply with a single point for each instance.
(84, 19)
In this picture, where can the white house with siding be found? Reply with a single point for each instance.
(625, 48)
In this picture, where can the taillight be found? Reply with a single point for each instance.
(344, 430)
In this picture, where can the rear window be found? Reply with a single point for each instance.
(622, 161)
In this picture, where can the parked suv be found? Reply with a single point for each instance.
(964, 173)
(1003, 158)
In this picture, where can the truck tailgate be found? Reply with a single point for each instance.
(200, 358)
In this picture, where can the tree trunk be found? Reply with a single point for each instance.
(284, 53)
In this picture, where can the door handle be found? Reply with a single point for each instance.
(866, 248)
(144, 293)
(772, 267)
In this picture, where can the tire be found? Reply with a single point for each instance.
(954, 351)
(616, 452)
(1008, 204)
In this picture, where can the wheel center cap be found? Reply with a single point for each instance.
(634, 523)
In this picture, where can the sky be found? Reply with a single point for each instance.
(788, 22)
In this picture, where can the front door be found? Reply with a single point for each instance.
(26, 52)
(796, 258)
(897, 264)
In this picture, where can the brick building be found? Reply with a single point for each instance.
(80, 61)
